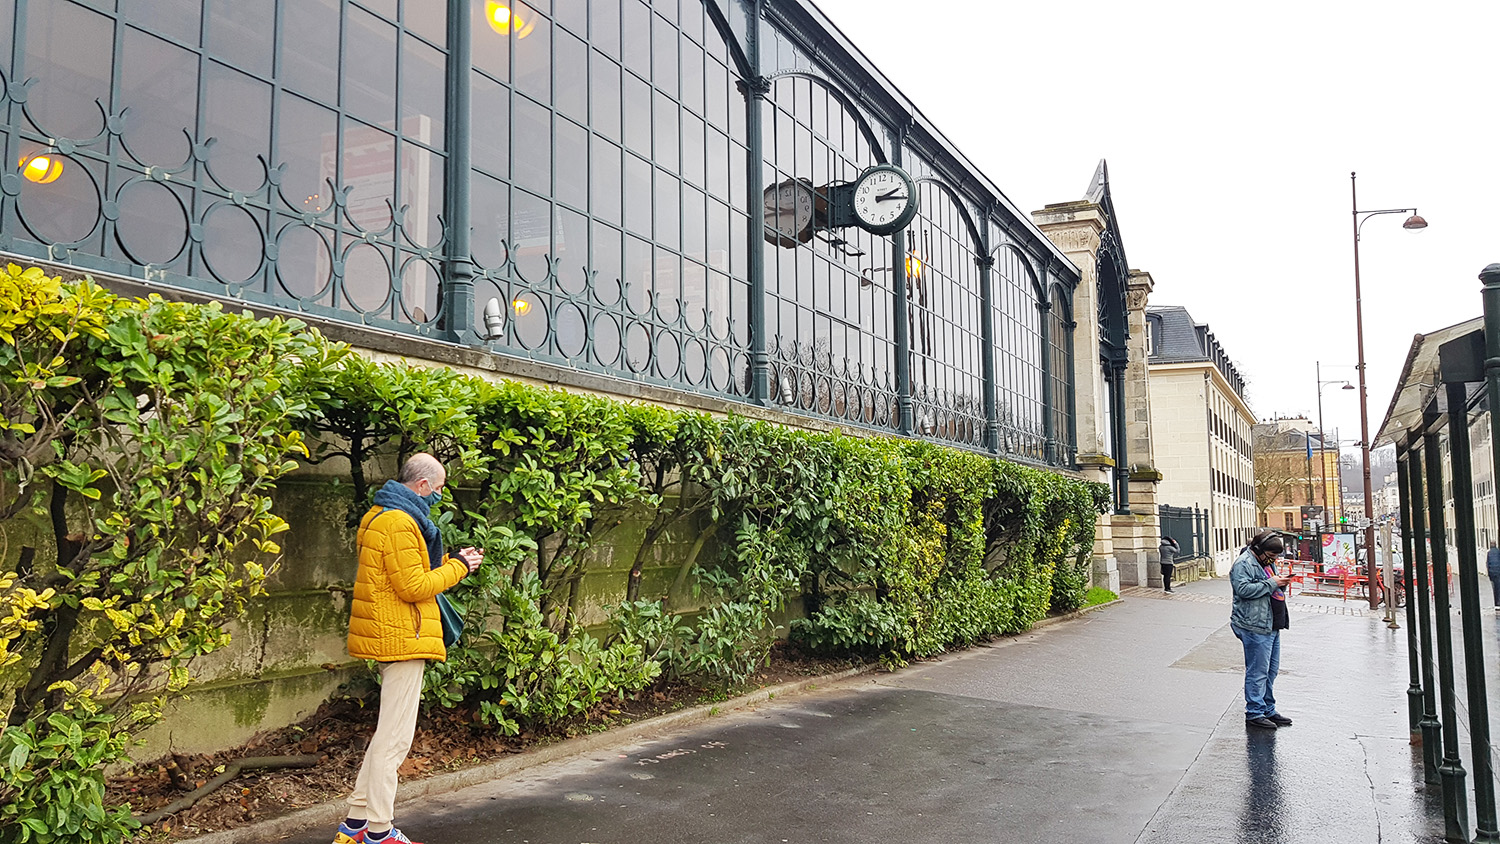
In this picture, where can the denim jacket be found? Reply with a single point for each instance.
(1252, 594)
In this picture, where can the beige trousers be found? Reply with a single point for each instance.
(374, 797)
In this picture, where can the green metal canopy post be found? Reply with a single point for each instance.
(1432, 728)
(1414, 665)
(1451, 769)
(1468, 594)
(756, 90)
(458, 304)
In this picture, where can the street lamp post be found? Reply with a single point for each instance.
(1413, 222)
(1328, 512)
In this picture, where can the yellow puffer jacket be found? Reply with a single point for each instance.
(394, 616)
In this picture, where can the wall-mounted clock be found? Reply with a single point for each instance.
(883, 199)
(789, 212)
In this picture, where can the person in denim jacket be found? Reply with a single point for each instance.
(1258, 593)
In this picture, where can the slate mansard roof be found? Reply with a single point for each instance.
(1177, 338)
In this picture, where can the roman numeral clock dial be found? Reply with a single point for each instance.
(884, 199)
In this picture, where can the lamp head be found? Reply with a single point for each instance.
(1414, 223)
(1347, 386)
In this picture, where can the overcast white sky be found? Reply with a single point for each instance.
(1230, 131)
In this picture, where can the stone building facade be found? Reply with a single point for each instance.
(1203, 429)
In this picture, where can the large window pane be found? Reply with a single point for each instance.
(174, 18)
(239, 31)
(491, 41)
(664, 119)
(572, 96)
(604, 180)
(533, 150)
(368, 171)
(531, 236)
(422, 194)
(159, 90)
(490, 208)
(533, 46)
(69, 52)
(635, 35)
(491, 133)
(427, 18)
(637, 196)
(237, 114)
(572, 164)
(604, 91)
(423, 90)
(637, 106)
(664, 55)
(306, 135)
(310, 48)
(370, 68)
(604, 25)
(668, 209)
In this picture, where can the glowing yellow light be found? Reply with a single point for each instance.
(42, 169)
(521, 306)
(504, 21)
(913, 265)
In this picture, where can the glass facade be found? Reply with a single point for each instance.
(579, 182)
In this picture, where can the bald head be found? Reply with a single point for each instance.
(422, 467)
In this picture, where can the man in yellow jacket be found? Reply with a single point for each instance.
(394, 620)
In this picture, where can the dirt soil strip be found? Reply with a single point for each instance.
(330, 813)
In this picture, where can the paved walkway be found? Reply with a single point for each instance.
(1125, 725)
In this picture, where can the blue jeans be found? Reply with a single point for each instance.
(1262, 659)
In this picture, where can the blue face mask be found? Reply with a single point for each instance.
(432, 498)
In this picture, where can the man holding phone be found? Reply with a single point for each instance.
(1257, 617)
(394, 620)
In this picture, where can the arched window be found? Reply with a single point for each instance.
(609, 190)
(943, 301)
(1018, 358)
(1060, 370)
(828, 300)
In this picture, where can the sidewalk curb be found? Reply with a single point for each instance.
(330, 813)
(1069, 616)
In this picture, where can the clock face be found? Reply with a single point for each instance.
(884, 199)
(788, 212)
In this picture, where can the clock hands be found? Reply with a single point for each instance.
(895, 194)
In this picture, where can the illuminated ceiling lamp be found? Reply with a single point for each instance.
(522, 307)
(42, 169)
(504, 20)
(913, 265)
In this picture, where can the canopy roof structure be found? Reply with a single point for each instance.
(1420, 381)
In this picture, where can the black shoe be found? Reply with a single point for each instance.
(1279, 720)
(1262, 723)
(1166, 590)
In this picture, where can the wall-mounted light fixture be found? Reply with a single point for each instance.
(494, 320)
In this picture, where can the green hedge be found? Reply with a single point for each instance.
(148, 437)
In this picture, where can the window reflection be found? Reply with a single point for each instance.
(69, 80)
(159, 90)
(370, 68)
(237, 114)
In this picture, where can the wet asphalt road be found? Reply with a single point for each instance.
(1125, 725)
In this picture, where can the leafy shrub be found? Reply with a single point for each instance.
(522, 673)
(147, 436)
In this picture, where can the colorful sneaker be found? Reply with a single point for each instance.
(392, 837)
(349, 835)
